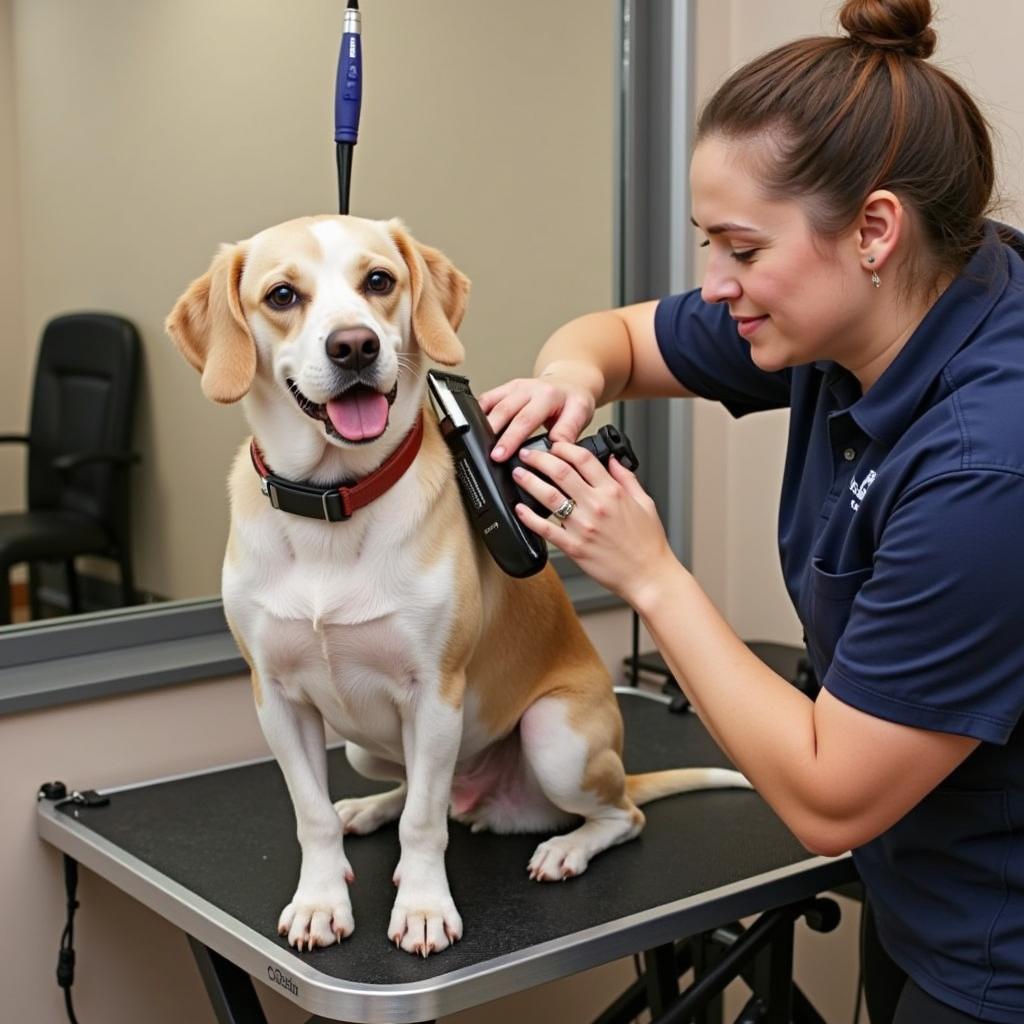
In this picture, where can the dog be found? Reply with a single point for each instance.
(364, 599)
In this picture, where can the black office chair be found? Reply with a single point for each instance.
(79, 455)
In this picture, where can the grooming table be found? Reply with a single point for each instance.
(215, 853)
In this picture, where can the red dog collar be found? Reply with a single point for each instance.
(336, 504)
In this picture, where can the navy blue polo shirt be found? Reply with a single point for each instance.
(901, 531)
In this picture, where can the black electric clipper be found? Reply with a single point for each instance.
(488, 490)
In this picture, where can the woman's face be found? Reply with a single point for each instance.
(796, 297)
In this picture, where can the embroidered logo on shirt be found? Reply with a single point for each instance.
(859, 490)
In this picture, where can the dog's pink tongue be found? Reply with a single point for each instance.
(359, 415)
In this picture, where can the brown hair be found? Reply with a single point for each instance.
(844, 116)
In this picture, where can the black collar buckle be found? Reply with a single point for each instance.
(305, 501)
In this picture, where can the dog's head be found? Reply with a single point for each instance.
(328, 316)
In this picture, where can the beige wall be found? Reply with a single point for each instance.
(151, 132)
(14, 358)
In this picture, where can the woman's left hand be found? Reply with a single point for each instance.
(613, 533)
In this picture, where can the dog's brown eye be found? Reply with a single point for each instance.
(282, 296)
(379, 282)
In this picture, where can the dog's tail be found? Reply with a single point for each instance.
(642, 789)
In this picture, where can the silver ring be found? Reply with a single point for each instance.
(564, 510)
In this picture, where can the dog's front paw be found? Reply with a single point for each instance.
(317, 920)
(365, 814)
(558, 859)
(424, 919)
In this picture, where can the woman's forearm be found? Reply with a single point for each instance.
(593, 351)
(763, 723)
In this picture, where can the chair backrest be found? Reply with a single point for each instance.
(83, 400)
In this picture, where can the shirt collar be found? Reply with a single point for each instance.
(895, 398)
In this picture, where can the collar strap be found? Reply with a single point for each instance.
(336, 504)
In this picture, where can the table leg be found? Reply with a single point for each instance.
(662, 977)
(753, 949)
(706, 953)
(230, 989)
(634, 999)
(773, 975)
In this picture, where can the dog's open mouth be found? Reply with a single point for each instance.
(359, 414)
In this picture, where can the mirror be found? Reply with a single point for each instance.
(147, 134)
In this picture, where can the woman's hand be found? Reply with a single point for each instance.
(517, 409)
(613, 533)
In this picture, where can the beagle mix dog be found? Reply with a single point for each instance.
(359, 596)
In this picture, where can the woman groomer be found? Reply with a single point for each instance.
(842, 184)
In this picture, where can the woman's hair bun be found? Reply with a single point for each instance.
(898, 25)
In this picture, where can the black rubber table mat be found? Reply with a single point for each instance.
(229, 837)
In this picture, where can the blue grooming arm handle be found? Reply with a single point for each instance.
(348, 90)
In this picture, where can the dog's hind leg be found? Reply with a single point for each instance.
(320, 912)
(574, 753)
(365, 814)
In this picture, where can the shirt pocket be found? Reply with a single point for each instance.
(831, 597)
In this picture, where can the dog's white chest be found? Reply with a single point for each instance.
(355, 636)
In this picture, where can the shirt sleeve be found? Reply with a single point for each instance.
(701, 346)
(934, 638)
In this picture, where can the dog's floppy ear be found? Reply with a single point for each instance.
(208, 326)
(439, 296)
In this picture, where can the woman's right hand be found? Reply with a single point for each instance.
(517, 409)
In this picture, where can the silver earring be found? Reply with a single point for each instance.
(875, 279)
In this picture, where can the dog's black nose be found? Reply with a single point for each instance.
(353, 348)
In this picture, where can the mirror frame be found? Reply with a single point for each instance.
(124, 651)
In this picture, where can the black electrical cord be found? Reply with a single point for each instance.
(344, 156)
(66, 958)
(57, 792)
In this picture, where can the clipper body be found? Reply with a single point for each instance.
(488, 490)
